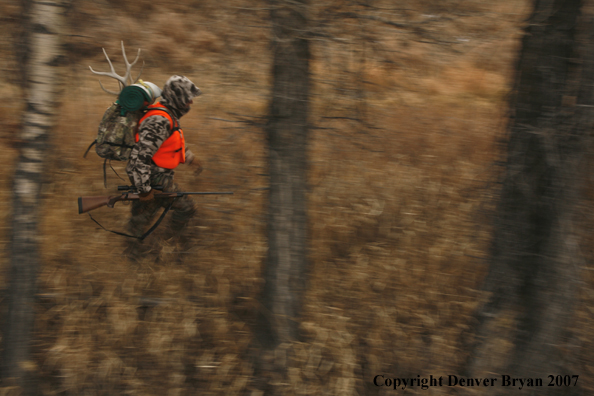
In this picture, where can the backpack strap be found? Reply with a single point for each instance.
(174, 123)
(105, 172)
(87, 152)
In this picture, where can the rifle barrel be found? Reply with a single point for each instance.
(205, 193)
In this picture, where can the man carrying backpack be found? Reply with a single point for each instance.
(160, 148)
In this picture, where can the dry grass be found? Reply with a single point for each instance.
(399, 205)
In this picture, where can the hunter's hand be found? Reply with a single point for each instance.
(197, 167)
(147, 196)
(193, 162)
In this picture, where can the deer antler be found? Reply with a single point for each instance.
(122, 80)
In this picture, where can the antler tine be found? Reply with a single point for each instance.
(107, 90)
(139, 74)
(108, 61)
(111, 74)
(129, 65)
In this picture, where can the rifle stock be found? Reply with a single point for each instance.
(86, 204)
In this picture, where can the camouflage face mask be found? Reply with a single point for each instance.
(178, 93)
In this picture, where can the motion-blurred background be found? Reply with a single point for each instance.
(409, 105)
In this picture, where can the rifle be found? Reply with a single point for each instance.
(86, 204)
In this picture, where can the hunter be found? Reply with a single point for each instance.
(160, 148)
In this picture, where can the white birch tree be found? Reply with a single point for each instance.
(42, 74)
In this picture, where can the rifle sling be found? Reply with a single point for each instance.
(150, 230)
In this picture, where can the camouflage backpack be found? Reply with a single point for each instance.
(116, 133)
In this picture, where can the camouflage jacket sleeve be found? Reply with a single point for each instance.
(152, 133)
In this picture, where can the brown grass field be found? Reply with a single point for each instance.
(406, 132)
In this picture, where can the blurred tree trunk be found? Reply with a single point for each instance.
(287, 131)
(41, 93)
(535, 257)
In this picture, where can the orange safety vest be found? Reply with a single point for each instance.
(173, 150)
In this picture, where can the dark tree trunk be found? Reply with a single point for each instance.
(534, 258)
(285, 269)
(42, 73)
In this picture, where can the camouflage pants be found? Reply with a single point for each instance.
(143, 212)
